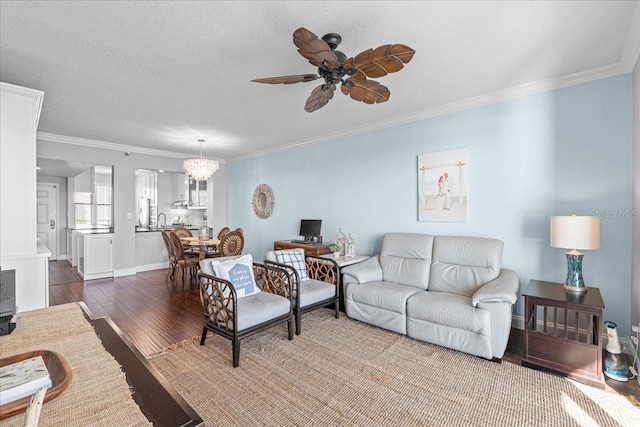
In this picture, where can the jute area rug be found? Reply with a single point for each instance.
(99, 394)
(341, 372)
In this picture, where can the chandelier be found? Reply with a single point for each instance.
(200, 168)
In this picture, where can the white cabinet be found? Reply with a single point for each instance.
(95, 255)
(72, 254)
(179, 187)
(197, 194)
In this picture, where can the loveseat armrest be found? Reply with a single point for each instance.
(503, 288)
(368, 270)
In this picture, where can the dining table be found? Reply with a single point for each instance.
(202, 245)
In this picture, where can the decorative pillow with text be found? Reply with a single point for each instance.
(239, 272)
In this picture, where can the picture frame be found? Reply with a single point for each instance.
(442, 186)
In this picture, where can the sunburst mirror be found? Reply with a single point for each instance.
(263, 201)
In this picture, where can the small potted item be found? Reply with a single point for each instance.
(336, 248)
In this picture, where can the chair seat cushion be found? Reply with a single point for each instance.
(386, 295)
(261, 307)
(312, 291)
(446, 309)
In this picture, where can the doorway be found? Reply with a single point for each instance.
(47, 217)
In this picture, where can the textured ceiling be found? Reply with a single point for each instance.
(161, 75)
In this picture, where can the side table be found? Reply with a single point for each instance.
(563, 331)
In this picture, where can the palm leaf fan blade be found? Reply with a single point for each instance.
(319, 97)
(314, 49)
(379, 62)
(287, 79)
(367, 91)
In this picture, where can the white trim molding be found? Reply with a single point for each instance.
(37, 96)
(62, 139)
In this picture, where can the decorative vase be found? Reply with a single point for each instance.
(336, 254)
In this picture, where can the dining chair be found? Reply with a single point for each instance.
(241, 298)
(231, 244)
(186, 263)
(223, 232)
(170, 255)
(184, 232)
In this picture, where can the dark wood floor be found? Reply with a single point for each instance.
(154, 314)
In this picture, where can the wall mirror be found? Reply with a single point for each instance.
(263, 201)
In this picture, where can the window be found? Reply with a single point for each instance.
(104, 193)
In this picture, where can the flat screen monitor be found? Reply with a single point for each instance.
(310, 228)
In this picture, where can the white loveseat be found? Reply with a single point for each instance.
(445, 290)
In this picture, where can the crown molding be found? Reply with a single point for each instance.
(37, 95)
(51, 137)
(465, 104)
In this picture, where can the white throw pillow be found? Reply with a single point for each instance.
(296, 260)
(239, 272)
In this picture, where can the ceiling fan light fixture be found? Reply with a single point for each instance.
(200, 168)
(354, 75)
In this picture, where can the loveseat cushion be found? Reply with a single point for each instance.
(381, 304)
(450, 310)
(406, 258)
(461, 265)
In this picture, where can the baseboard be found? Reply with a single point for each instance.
(149, 267)
(517, 322)
(124, 272)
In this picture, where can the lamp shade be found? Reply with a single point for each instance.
(575, 232)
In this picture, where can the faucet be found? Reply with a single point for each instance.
(164, 225)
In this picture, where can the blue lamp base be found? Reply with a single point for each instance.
(574, 282)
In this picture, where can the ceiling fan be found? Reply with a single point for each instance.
(353, 73)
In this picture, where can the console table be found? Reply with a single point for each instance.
(309, 248)
(563, 331)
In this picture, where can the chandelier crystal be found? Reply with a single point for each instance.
(200, 168)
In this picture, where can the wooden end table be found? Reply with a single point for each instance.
(563, 331)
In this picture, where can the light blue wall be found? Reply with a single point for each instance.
(529, 158)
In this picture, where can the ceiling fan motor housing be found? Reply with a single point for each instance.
(332, 39)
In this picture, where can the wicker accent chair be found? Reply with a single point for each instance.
(171, 255)
(316, 278)
(231, 244)
(229, 314)
(186, 263)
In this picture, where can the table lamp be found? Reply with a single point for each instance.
(575, 232)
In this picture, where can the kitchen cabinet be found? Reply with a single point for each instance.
(197, 194)
(95, 255)
(179, 187)
(72, 252)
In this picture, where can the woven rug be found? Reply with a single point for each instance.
(341, 372)
(99, 394)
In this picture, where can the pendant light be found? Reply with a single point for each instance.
(200, 168)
